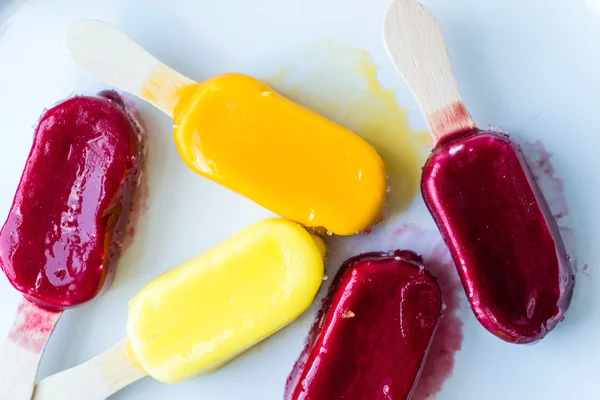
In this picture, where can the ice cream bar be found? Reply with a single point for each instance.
(502, 236)
(481, 193)
(63, 233)
(212, 308)
(372, 336)
(239, 132)
(204, 313)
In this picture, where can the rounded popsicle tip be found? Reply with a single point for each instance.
(501, 233)
(62, 238)
(237, 131)
(383, 305)
(212, 308)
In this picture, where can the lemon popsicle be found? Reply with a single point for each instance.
(237, 131)
(63, 235)
(493, 217)
(212, 308)
(207, 311)
(371, 339)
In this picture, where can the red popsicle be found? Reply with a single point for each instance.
(482, 195)
(373, 333)
(63, 235)
(501, 234)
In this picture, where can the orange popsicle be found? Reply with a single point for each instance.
(237, 131)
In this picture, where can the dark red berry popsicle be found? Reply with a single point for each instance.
(501, 233)
(373, 333)
(482, 195)
(64, 230)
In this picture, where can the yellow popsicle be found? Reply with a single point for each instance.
(210, 309)
(237, 131)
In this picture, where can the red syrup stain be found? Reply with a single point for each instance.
(450, 119)
(553, 188)
(142, 193)
(140, 202)
(427, 242)
(33, 326)
(448, 337)
(584, 270)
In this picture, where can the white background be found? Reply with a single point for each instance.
(531, 67)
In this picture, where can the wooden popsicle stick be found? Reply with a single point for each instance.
(107, 54)
(21, 353)
(96, 379)
(416, 46)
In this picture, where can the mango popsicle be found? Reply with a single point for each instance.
(240, 133)
(480, 192)
(371, 338)
(207, 311)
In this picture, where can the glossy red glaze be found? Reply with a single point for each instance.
(63, 234)
(372, 336)
(501, 234)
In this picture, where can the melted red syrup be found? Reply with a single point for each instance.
(142, 193)
(33, 326)
(448, 337)
(61, 240)
(453, 118)
(501, 234)
(585, 270)
(373, 333)
(553, 188)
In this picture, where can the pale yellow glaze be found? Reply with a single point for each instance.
(211, 308)
(237, 131)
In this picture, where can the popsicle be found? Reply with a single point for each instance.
(205, 312)
(237, 131)
(63, 234)
(482, 195)
(371, 338)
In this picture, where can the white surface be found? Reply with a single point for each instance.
(594, 5)
(532, 67)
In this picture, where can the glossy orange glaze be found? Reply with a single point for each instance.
(235, 130)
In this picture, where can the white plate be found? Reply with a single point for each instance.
(531, 67)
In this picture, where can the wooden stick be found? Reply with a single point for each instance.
(107, 54)
(21, 353)
(96, 379)
(416, 46)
